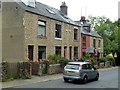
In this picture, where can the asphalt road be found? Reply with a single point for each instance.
(108, 79)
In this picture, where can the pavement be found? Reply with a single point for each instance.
(36, 79)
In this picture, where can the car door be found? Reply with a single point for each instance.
(92, 71)
(86, 70)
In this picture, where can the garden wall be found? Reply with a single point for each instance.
(54, 69)
(10, 71)
(24, 69)
(106, 64)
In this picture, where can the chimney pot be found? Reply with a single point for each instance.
(83, 18)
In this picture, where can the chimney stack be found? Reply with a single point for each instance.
(82, 18)
(63, 8)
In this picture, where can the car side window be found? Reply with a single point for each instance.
(92, 67)
(84, 66)
(89, 66)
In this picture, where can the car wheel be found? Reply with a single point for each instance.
(97, 77)
(85, 79)
(66, 80)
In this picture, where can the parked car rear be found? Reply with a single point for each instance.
(82, 71)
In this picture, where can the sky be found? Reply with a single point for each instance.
(76, 8)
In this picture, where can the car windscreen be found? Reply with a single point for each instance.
(73, 66)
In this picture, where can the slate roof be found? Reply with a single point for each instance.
(95, 34)
(91, 33)
(45, 10)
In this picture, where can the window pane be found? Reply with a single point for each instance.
(41, 31)
(58, 31)
(76, 52)
(75, 34)
(94, 43)
(83, 41)
(41, 52)
(58, 50)
(41, 28)
(30, 52)
(99, 43)
(72, 66)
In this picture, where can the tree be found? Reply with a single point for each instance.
(118, 23)
(108, 30)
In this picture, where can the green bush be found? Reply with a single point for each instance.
(54, 59)
(63, 61)
(93, 61)
(86, 57)
(107, 58)
(103, 59)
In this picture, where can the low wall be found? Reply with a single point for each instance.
(12, 70)
(101, 65)
(15, 70)
(54, 69)
(107, 64)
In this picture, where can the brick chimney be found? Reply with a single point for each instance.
(63, 8)
(82, 18)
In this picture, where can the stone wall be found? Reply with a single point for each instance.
(11, 71)
(107, 64)
(55, 68)
(32, 37)
(12, 32)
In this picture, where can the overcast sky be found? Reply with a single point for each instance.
(107, 8)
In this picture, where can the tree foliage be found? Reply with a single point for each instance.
(108, 30)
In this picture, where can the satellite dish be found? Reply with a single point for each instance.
(81, 23)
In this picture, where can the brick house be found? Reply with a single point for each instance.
(35, 31)
(90, 41)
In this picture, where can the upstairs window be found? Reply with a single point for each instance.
(99, 43)
(42, 28)
(58, 31)
(94, 43)
(75, 34)
(83, 41)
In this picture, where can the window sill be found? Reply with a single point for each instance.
(84, 48)
(58, 38)
(41, 37)
(76, 40)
